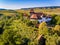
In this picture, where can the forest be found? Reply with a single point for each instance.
(17, 30)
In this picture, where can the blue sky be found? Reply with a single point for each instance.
(17, 4)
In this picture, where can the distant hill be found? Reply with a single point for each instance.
(7, 10)
(52, 7)
(2, 9)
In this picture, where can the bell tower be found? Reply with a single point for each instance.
(31, 11)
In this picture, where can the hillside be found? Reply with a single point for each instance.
(51, 7)
(17, 29)
(47, 10)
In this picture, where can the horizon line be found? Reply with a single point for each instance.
(27, 7)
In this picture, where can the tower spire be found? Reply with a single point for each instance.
(31, 11)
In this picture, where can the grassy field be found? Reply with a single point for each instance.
(47, 11)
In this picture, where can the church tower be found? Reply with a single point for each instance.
(31, 11)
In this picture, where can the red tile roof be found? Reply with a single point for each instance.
(25, 14)
(34, 16)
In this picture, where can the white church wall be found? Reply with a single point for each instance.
(44, 19)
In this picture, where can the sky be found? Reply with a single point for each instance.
(17, 4)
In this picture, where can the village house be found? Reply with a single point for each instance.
(25, 15)
(39, 16)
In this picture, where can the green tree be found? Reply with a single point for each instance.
(43, 29)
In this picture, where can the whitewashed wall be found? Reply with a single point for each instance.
(44, 19)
